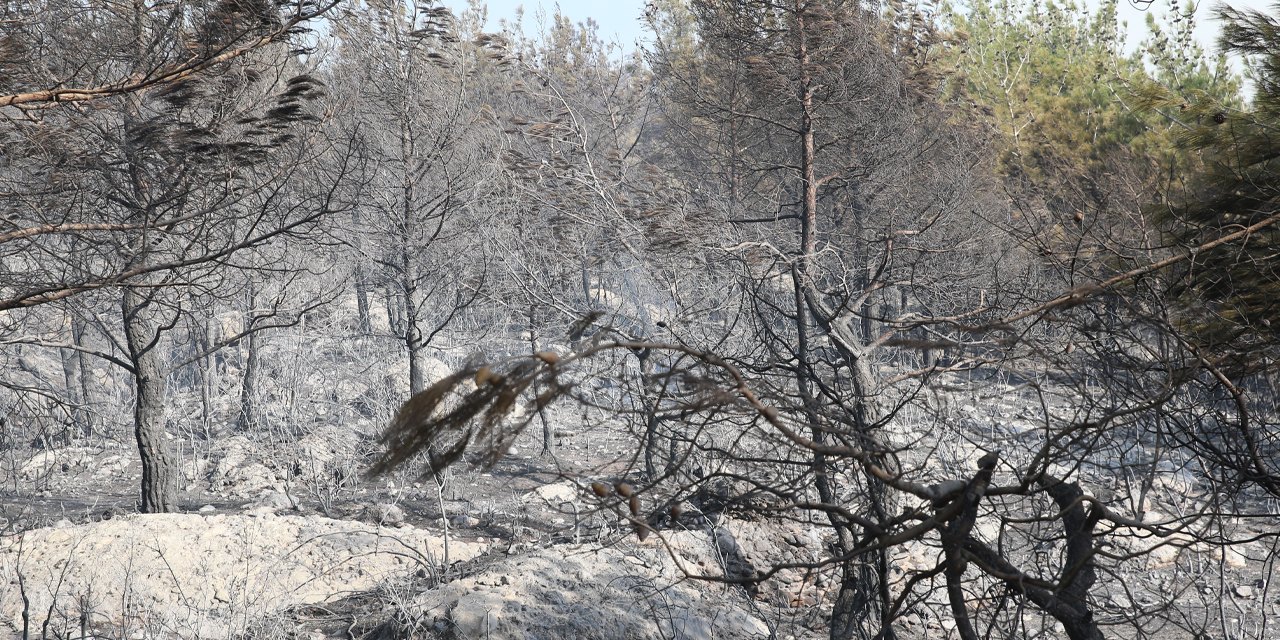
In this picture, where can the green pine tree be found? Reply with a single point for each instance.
(1230, 292)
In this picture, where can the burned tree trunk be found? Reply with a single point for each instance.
(159, 467)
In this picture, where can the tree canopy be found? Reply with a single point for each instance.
(978, 294)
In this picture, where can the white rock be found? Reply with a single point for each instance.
(51, 461)
(1244, 591)
(554, 494)
(1164, 556)
(208, 508)
(988, 531)
(385, 513)
(191, 573)
(1180, 484)
(274, 500)
(463, 521)
(590, 591)
(478, 615)
(693, 628)
(1235, 557)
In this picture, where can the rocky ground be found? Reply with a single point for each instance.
(291, 541)
(201, 576)
(283, 537)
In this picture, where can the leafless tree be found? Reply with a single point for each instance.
(59, 53)
(854, 206)
(419, 89)
(159, 195)
(592, 226)
(1027, 465)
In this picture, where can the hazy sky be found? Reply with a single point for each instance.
(1206, 27)
(619, 19)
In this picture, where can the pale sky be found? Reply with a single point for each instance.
(620, 19)
(1206, 28)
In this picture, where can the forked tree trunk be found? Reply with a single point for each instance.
(864, 588)
(542, 415)
(249, 413)
(87, 412)
(362, 301)
(204, 375)
(395, 312)
(362, 280)
(409, 223)
(413, 342)
(159, 466)
(71, 376)
(864, 583)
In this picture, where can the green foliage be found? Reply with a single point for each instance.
(1054, 81)
(1179, 63)
(1231, 292)
(1084, 154)
(1041, 73)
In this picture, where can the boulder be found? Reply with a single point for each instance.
(204, 576)
(588, 591)
(553, 494)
